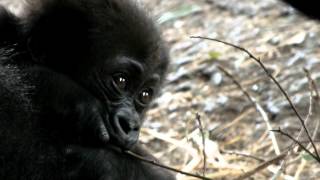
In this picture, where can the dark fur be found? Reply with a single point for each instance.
(57, 100)
(306, 7)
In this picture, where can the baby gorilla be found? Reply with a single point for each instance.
(89, 68)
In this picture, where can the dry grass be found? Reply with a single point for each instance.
(237, 118)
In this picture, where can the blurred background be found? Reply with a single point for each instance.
(237, 135)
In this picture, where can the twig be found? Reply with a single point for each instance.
(198, 118)
(297, 142)
(243, 155)
(313, 86)
(152, 162)
(262, 166)
(313, 83)
(274, 80)
(310, 109)
(258, 108)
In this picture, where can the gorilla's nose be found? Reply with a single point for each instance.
(126, 127)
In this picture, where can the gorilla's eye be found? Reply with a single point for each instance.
(121, 81)
(145, 96)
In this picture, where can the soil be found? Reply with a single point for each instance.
(236, 134)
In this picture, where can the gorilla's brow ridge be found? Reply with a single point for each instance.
(134, 65)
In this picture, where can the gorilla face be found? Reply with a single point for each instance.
(109, 59)
(125, 87)
(93, 67)
(126, 75)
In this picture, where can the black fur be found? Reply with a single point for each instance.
(306, 7)
(62, 107)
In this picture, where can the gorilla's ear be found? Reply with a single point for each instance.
(57, 33)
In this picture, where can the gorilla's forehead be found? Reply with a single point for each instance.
(151, 68)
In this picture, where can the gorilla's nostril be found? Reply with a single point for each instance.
(125, 128)
(124, 124)
(136, 129)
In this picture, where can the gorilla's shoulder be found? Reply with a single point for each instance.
(14, 101)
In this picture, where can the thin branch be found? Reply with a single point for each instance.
(243, 155)
(262, 166)
(274, 80)
(152, 162)
(297, 142)
(313, 86)
(198, 118)
(310, 109)
(258, 108)
(313, 83)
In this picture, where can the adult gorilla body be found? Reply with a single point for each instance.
(76, 77)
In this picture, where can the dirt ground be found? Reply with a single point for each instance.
(237, 136)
